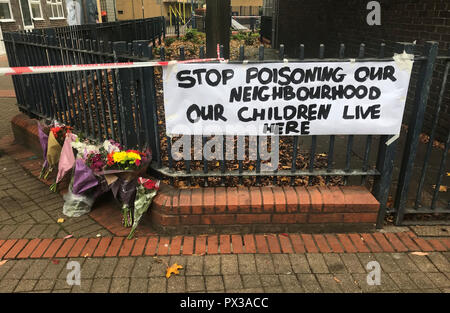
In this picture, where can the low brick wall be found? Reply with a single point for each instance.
(247, 209)
(265, 209)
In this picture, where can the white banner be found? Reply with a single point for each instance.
(333, 98)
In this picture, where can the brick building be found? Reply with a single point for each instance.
(28, 14)
(313, 22)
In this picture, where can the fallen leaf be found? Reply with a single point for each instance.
(55, 261)
(60, 220)
(419, 253)
(441, 188)
(3, 262)
(173, 270)
(285, 235)
(98, 235)
(68, 236)
(337, 280)
(86, 255)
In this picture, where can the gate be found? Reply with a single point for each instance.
(427, 194)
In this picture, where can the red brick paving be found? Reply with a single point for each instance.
(396, 243)
(236, 242)
(371, 243)
(274, 246)
(382, 241)
(322, 243)
(286, 246)
(334, 243)
(152, 244)
(200, 245)
(29, 248)
(188, 245)
(358, 242)
(224, 244)
(346, 243)
(7, 246)
(213, 244)
(40, 249)
(309, 243)
(14, 251)
(114, 247)
(65, 248)
(249, 243)
(261, 244)
(102, 247)
(297, 242)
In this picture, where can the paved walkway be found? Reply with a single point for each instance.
(32, 244)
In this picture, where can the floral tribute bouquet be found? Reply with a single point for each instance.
(127, 166)
(97, 169)
(145, 192)
(56, 138)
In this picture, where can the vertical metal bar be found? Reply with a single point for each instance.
(441, 173)
(432, 135)
(88, 99)
(241, 138)
(385, 157)
(348, 156)
(296, 138)
(312, 152)
(414, 128)
(330, 158)
(204, 138)
(258, 156)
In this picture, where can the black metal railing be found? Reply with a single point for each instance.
(127, 105)
(129, 30)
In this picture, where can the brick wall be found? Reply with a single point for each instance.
(313, 22)
(46, 13)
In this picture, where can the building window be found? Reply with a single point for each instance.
(5, 10)
(36, 9)
(56, 8)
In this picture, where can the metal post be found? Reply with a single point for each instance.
(386, 156)
(415, 127)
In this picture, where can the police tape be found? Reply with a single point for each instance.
(23, 70)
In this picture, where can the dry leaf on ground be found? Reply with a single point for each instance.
(173, 270)
(419, 253)
(60, 220)
(3, 262)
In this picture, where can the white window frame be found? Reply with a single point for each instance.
(56, 4)
(10, 12)
(40, 8)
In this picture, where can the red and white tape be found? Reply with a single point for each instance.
(85, 67)
(4, 71)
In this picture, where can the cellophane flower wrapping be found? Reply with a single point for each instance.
(145, 192)
(66, 160)
(53, 153)
(43, 140)
(83, 178)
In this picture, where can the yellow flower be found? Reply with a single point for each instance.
(133, 156)
(119, 156)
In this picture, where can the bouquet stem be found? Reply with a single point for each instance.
(54, 187)
(42, 172)
(126, 216)
(48, 172)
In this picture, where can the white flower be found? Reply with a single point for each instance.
(109, 147)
